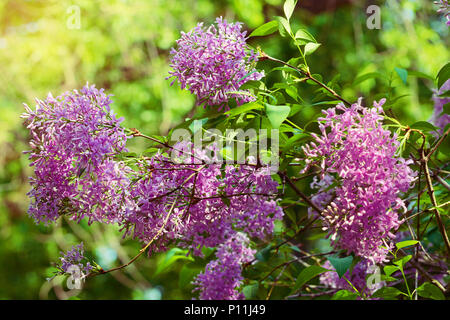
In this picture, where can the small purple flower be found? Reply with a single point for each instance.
(214, 62)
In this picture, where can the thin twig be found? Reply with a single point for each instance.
(308, 76)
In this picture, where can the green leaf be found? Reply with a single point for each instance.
(197, 124)
(304, 35)
(283, 26)
(265, 29)
(430, 291)
(388, 270)
(295, 139)
(292, 92)
(277, 114)
(341, 264)
(250, 291)
(171, 257)
(186, 276)
(243, 109)
(406, 243)
(423, 126)
(367, 76)
(306, 275)
(388, 293)
(310, 47)
(344, 295)
(402, 73)
(443, 75)
(419, 74)
(264, 254)
(289, 7)
(151, 151)
(402, 261)
(446, 108)
(226, 201)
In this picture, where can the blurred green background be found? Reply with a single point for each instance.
(123, 46)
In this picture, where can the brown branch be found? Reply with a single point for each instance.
(435, 204)
(438, 143)
(300, 194)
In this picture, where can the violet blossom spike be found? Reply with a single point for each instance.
(222, 277)
(361, 180)
(214, 62)
(74, 139)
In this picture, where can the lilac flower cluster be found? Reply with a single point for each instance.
(203, 205)
(199, 205)
(74, 257)
(198, 202)
(444, 8)
(214, 62)
(74, 138)
(440, 119)
(222, 277)
(360, 155)
(357, 277)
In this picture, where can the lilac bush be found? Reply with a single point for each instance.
(361, 176)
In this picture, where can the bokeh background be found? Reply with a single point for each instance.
(123, 46)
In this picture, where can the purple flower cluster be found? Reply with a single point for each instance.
(195, 203)
(222, 277)
(444, 8)
(440, 119)
(199, 205)
(74, 138)
(74, 258)
(357, 277)
(203, 205)
(214, 62)
(360, 156)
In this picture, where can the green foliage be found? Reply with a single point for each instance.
(430, 291)
(265, 29)
(341, 264)
(277, 114)
(443, 75)
(307, 274)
